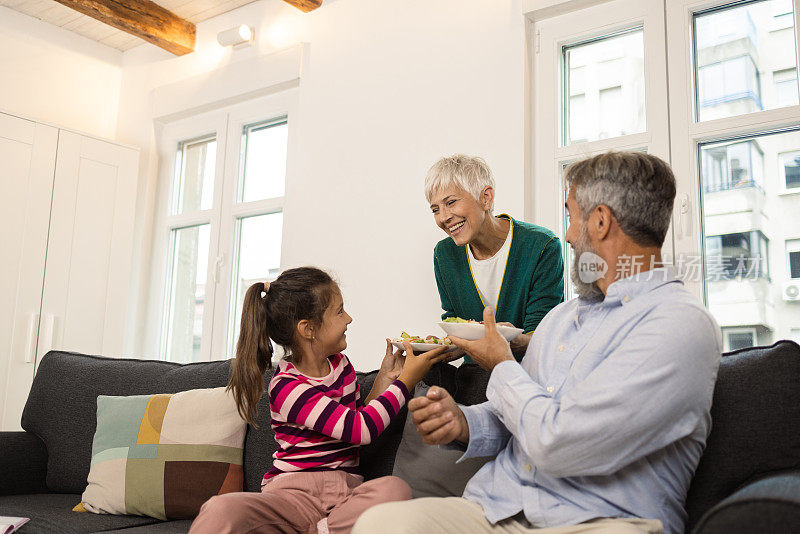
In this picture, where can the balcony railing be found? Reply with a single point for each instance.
(729, 185)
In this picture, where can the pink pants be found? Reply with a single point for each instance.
(307, 502)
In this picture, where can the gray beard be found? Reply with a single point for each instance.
(585, 290)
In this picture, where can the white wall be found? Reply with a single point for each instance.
(387, 88)
(57, 76)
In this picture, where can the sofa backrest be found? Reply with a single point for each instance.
(755, 423)
(62, 405)
(62, 409)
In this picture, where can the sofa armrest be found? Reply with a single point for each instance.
(770, 504)
(23, 463)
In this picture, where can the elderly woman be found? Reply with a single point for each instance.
(487, 260)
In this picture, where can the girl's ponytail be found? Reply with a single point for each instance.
(253, 353)
(273, 311)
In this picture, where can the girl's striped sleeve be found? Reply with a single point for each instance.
(301, 403)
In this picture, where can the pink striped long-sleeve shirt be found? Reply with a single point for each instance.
(319, 423)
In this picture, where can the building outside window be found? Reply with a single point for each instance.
(729, 80)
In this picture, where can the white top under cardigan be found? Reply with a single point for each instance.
(488, 273)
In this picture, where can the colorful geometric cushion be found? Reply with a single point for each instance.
(164, 455)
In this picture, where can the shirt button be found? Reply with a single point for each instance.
(627, 299)
(561, 348)
(528, 467)
(550, 389)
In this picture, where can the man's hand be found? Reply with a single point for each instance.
(489, 350)
(438, 418)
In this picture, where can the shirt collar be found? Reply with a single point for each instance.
(627, 289)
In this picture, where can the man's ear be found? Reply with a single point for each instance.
(305, 329)
(601, 221)
(487, 197)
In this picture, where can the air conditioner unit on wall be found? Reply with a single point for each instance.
(791, 290)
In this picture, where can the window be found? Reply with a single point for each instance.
(192, 195)
(223, 178)
(793, 258)
(785, 83)
(740, 255)
(782, 15)
(604, 80)
(738, 338)
(790, 170)
(729, 125)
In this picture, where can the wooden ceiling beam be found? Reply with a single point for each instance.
(305, 5)
(144, 19)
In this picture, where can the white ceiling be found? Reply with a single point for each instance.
(52, 12)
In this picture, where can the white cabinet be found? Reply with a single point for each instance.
(66, 221)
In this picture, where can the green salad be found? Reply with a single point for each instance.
(404, 336)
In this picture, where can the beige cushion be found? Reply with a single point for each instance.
(164, 455)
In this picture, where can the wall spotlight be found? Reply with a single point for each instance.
(241, 35)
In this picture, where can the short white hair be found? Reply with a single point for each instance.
(470, 173)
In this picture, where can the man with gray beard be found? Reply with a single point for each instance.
(601, 425)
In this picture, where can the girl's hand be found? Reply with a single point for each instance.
(392, 364)
(391, 367)
(417, 365)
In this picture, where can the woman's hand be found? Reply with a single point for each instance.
(416, 366)
(489, 350)
(520, 343)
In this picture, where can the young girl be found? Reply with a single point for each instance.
(317, 414)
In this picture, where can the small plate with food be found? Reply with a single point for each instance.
(422, 344)
(471, 330)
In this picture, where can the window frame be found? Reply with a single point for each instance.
(688, 134)
(727, 331)
(792, 246)
(547, 149)
(782, 189)
(227, 122)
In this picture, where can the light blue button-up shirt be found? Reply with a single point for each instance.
(608, 413)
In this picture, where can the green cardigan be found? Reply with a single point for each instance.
(533, 281)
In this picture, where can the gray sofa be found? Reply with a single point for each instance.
(748, 479)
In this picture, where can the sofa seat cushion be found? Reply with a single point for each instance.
(755, 427)
(167, 527)
(62, 405)
(52, 512)
(433, 471)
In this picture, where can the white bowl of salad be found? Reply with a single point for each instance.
(471, 330)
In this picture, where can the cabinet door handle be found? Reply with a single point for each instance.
(30, 346)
